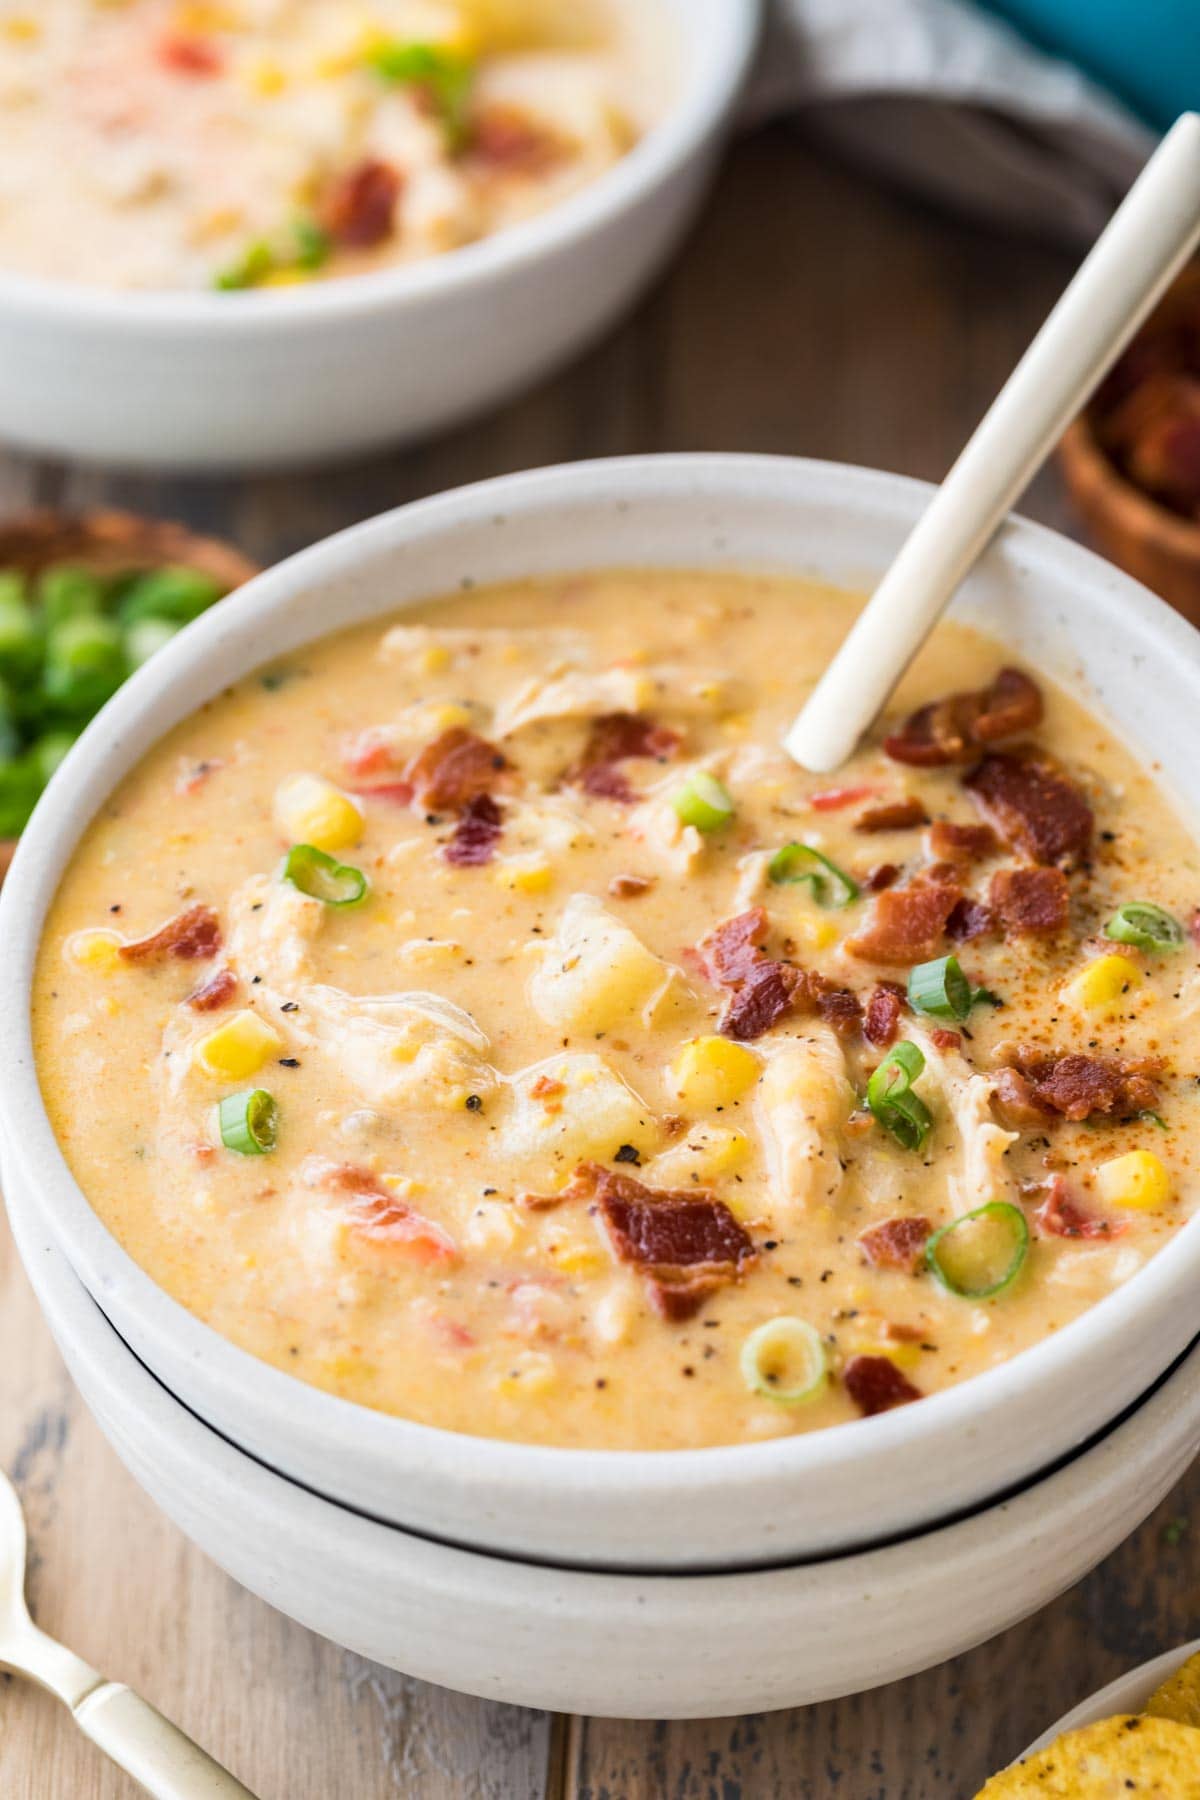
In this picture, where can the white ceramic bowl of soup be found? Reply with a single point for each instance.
(810, 1494)
(212, 380)
(624, 1645)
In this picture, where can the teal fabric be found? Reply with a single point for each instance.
(1146, 52)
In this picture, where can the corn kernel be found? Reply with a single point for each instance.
(1103, 984)
(311, 810)
(530, 1372)
(1137, 1179)
(452, 715)
(21, 29)
(238, 1048)
(813, 933)
(435, 659)
(97, 950)
(581, 1259)
(286, 278)
(905, 1356)
(535, 877)
(713, 1071)
(267, 79)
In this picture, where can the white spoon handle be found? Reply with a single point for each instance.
(147, 1746)
(1145, 244)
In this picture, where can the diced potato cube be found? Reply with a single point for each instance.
(597, 974)
(707, 1154)
(311, 810)
(97, 950)
(238, 1048)
(571, 1109)
(1137, 1179)
(713, 1071)
(527, 875)
(1103, 984)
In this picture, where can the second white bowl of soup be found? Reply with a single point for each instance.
(517, 1102)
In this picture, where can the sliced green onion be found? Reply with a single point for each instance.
(941, 990)
(784, 1360)
(1148, 1117)
(175, 593)
(85, 663)
(322, 878)
(256, 262)
(1147, 926)
(892, 1101)
(982, 1253)
(311, 245)
(831, 886)
(249, 1122)
(703, 801)
(445, 74)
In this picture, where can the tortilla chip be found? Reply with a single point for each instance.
(1152, 1759)
(1178, 1697)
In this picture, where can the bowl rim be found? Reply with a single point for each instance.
(1128, 1693)
(489, 1466)
(718, 60)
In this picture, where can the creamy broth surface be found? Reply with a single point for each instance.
(490, 1071)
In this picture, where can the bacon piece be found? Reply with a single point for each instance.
(884, 1010)
(838, 1006)
(476, 834)
(1034, 806)
(213, 993)
(1038, 1086)
(969, 919)
(359, 209)
(896, 1243)
(1060, 1215)
(946, 1040)
(906, 924)
(834, 799)
(614, 739)
(190, 936)
(186, 55)
(380, 1216)
(948, 842)
(509, 141)
(628, 887)
(732, 950)
(760, 1000)
(456, 768)
(875, 1384)
(953, 729)
(895, 815)
(1030, 902)
(880, 877)
(687, 1243)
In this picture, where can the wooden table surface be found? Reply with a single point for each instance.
(810, 313)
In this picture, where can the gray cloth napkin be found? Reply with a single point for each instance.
(954, 103)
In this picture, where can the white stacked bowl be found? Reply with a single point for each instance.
(749, 1505)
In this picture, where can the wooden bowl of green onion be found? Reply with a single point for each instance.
(85, 599)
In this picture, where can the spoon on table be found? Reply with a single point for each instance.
(128, 1729)
(1145, 244)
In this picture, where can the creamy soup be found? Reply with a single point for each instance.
(247, 143)
(479, 1016)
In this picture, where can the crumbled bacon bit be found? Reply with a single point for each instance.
(1034, 807)
(190, 936)
(379, 1215)
(456, 768)
(1030, 902)
(760, 1000)
(628, 887)
(884, 1010)
(953, 729)
(1036, 1085)
(948, 842)
(509, 141)
(359, 209)
(213, 993)
(545, 1087)
(838, 1006)
(187, 55)
(944, 1039)
(763, 990)
(687, 1243)
(476, 834)
(614, 739)
(733, 949)
(895, 815)
(875, 1384)
(969, 919)
(1060, 1215)
(906, 924)
(896, 1243)
(834, 799)
(880, 877)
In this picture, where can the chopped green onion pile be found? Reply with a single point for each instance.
(299, 250)
(940, 990)
(982, 1253)
(445, 74)
(321, 877)
(703, 801)
(68, 639)
(249, 1122)
(1145, 925)
(784, 1360)
(831, 886)
(892, 1101)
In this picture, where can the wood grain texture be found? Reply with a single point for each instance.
(810, 313)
